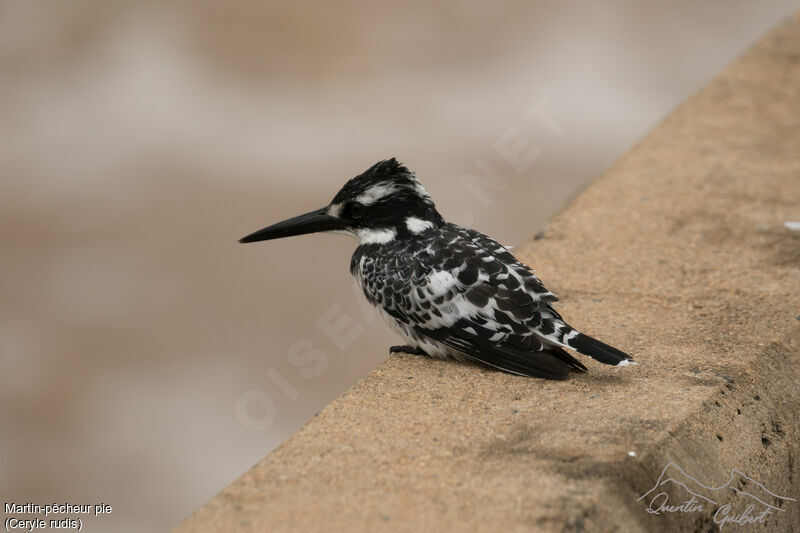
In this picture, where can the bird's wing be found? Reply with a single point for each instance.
(472, 295)
(548, 324)
(552, 363)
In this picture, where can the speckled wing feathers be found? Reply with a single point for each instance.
(465, 291)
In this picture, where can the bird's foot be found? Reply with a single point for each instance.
(409, 350)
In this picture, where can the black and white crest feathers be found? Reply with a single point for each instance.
(387, 180)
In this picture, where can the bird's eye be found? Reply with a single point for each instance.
(356, 211)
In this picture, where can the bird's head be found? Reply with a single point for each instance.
(384, 203)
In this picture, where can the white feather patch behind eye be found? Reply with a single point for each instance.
(417, 225)
(375, 193)
(376, 236)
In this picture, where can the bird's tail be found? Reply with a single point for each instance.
(598, 350)
(555, 330)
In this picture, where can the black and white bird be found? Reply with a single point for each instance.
(450, 292)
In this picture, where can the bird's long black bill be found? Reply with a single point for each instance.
(312, 222)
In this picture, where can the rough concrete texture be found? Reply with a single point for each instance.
(678, 255)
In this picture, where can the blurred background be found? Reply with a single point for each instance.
(146, 358)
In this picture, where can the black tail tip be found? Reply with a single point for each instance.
(600, 351)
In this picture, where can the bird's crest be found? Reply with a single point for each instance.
(387, 180)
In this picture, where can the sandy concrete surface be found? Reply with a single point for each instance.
(678, 254)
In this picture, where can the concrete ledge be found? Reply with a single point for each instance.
(679, 256)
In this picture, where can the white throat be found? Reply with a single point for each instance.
(375, 236)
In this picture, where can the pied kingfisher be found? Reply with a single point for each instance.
(450, 292)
